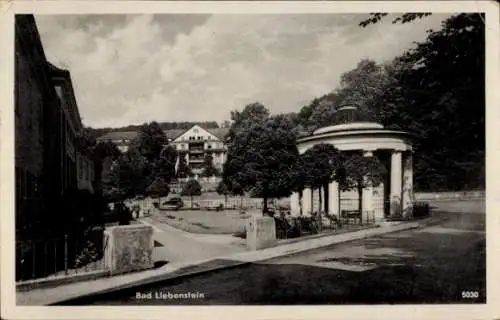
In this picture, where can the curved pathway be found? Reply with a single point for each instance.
(175, 245)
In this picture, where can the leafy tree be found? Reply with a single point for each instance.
(252, 114)
(183, 169)
(159, 188)
(85, 140)
(365, 86)
(261, 156)
(150, 141)
(319, 166)
(305, 119)
(403, 18)
(132, 173)
(209, 169)
(164, 167)
(191, 188)
(226, 124)
(233, 187)
(223, 189)
(100, 153)
(113, 194)
(439, 94)
(324, 110)
(361, 172)
(106, 149)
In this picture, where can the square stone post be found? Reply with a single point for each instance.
(396, 182)
(128, 248)
(408, 186)
(261, 232)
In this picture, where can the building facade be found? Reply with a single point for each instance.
(34, 96)
(194, 144)
(47, 123)
(76, 163)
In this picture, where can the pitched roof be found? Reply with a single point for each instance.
(219, 132)
(174, 133)
(171, 134)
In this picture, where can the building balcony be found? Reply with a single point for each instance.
(196, 150)
(196, 160)
(217, 150)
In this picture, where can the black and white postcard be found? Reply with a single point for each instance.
(288, 160)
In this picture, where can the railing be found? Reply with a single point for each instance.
(56, 257)
(231, 204)
(315, 223)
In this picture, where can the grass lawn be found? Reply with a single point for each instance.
(208, 222)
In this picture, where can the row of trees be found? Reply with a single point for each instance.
(263, 160)
(435, 90)
(148, 167)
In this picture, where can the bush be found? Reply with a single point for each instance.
(308, 224)
(421, 209)
(78, 220)
(285, 228)
(123, 213)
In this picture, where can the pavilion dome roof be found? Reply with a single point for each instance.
(350, 117)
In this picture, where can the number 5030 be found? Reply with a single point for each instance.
(470, 294)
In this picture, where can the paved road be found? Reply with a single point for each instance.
(174, 245)
(431, 265)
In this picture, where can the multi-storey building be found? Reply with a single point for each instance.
(76, 161)
(194, 144)
(33, 97)
(48, 160)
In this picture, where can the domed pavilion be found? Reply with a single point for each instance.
(354, 131)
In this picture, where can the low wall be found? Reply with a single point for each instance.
(129, 248)
(459, 195)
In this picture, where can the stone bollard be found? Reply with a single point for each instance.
(128, 248)
(261, 232)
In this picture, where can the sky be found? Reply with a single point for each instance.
(131, 69)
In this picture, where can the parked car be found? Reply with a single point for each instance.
(173, 204)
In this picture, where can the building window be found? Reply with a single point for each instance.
(195, 130)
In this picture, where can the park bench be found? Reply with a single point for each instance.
(350, 215)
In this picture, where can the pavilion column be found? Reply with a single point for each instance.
(295, 204)
(367, 200)
(333, 197)
(315, 200)
(408, 186)
(396, 183)
(306, 201)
